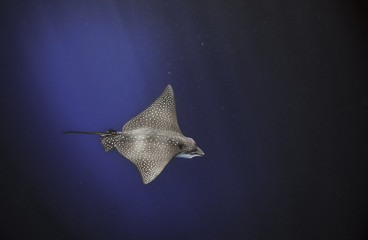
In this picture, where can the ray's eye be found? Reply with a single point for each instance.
(181, 146)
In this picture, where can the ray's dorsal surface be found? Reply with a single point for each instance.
(152, 138)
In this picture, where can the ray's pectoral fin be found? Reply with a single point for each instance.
(150, 166)
(149, 159)
(149, 170)
(160, 115)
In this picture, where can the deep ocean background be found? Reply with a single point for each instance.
(274, 92)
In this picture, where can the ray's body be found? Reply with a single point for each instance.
(151, 139)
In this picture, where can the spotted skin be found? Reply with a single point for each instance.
(152, 138)
(149, 150)
(161, 115)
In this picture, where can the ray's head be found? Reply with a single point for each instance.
(189, 149)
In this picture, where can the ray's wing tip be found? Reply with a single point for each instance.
(169, 90)
(145, 182)
(169, 87)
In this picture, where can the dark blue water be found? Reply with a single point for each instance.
(273, 92)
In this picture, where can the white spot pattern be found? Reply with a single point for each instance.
(149, 155)
(151, 139)
(161, 115)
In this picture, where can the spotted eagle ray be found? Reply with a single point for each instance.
(152, 138)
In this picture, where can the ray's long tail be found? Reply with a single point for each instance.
(98, 133)
(106, 142)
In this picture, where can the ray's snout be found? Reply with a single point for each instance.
(199, 152)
